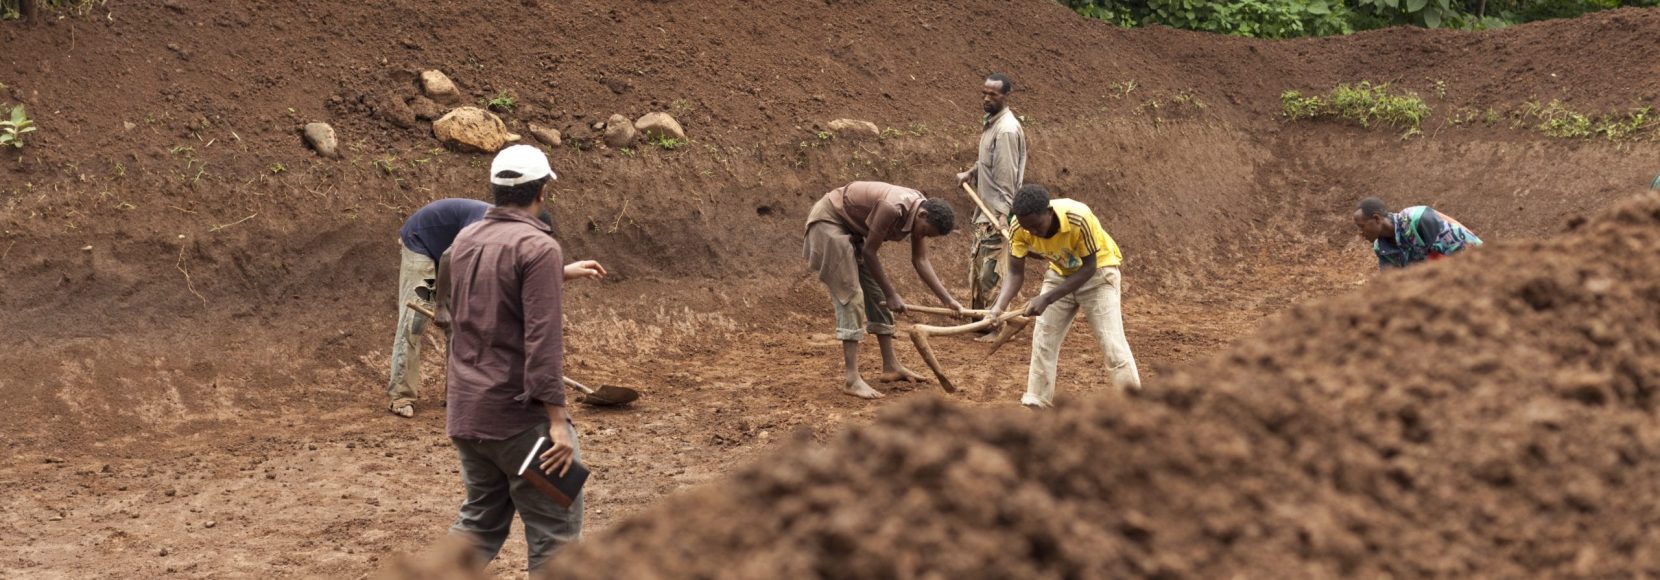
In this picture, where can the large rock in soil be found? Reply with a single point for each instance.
(473, 129)
(619, 132)
(438, 86)
(656, 125)
(321, 137)
(854, 129)
(547, 135)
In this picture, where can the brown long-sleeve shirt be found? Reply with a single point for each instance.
(506, 353)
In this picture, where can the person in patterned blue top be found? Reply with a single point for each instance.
(1415, 234)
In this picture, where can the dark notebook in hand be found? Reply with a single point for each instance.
(563, 490)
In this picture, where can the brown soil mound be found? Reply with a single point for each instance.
(201, 308)
(1491, 416)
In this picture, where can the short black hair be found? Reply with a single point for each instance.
(997, 77)
(520, 195)
(940, 215)
(1032, 199)
(1372, 206)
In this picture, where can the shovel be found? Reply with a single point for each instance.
(606, 396)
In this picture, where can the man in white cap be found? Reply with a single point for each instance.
(506, 362)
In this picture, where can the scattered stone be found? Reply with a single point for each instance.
(619, 132)
(129, 125)
(210, 524)
(472, 128)
(580, 135)
(52, 460)
(439, 87)
(658, 125)
(311, 447)
(393, 110)
(547, 135)
(320, 136)
(171, 492)
(852, 128)
(425, 109)
(162, 553)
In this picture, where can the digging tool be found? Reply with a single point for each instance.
(1001, 229)
(946, 311)
(606, 396)
(1009, 330)
(921, 332)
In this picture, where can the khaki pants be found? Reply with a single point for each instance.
(1099, 302)
(985, 266)
(416, 270)
(490, 470)
(854, 293)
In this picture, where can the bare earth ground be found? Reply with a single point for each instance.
(192, 381)
(335, 491)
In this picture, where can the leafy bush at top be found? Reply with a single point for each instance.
(1255, 18)
(1291, 18)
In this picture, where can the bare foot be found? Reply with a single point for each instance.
(987, 337)
(902, 375)
(859, 388)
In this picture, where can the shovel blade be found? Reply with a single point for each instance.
(611, 396)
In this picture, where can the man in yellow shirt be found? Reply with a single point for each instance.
(1082, 276)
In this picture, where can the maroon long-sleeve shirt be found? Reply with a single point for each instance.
(506, 354)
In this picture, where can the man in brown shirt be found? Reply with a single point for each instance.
(844, 230)
(506, 275)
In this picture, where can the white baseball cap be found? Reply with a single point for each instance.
(527, 161)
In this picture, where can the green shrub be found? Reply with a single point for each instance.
(1365, 104)
(1288, 18)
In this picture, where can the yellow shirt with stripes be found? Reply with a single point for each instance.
(1080, 235)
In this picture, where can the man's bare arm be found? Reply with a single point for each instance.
(925, 270)
(873, 260)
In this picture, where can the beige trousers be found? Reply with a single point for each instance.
(1099, 302)
(415, 270)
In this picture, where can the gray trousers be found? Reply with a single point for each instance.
(495, 491)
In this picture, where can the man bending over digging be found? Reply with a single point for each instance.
(1082, 276)
(844, 231)
(1415, 235)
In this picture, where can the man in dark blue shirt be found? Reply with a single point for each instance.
(426, 235)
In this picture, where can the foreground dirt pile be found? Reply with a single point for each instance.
(1488, 415)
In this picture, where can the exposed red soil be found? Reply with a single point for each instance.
(1490, 416)
(218, 354)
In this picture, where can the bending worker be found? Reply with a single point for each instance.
(1416, 234)
(1082, 276)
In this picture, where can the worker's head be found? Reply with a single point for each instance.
(518, 176)
(994, 94)
(937, 219)
(1031, 209)
(1372, 218)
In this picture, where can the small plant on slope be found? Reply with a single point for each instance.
(14, 126)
